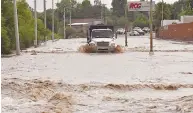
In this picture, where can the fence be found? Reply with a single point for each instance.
(177, 32)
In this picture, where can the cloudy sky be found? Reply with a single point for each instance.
(49, 3)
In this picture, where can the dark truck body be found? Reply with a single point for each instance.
(97, 27)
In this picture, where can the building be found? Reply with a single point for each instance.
(90, 21)
(80, 27)
(186, 19)
(183, 19)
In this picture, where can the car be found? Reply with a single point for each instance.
(101, 38)
(134, 33)
(146, 29)
(137, 28)
(120, 31)
(141, 32)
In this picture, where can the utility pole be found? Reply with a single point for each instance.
(70, 13)
(151, 37)
(162, 12)
(52, 20)
(36, 33)
(101, 11)
(104, 14)
(58, 22)
(16, 29)
(64, 24)
(162, 17)
(45, 23)
(126, 25)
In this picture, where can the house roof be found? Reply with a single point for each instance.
(77, 24)
(85, 20)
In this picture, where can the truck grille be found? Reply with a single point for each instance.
(102, 43)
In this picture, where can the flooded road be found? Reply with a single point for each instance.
(73, 82)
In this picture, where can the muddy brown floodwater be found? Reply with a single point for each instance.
(89, 49)
(57, 78)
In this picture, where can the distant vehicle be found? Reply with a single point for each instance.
(101, 38)
(141, 32)
(120, 31)
(136, 28)
(146, 29)
(134, 33)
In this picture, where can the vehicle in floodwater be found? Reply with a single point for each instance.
(101, 38)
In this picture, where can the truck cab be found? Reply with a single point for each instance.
(101, 38)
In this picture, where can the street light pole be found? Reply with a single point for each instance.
(70, 13)
(126, 25)
(162, 12)
(45, 23)
(104, 14)
(162, 18)
(64, 24)
(151, 27)
(36, 33)
(52, 20)
(16, 29)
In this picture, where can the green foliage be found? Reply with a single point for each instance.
(187, 10)
(167, 13)
(141, 21)
(5, 41)
(109, 21)
(70, 31)
(122, 21)
(119, 7)
(25, 23)
(77, 35)
(7, 14)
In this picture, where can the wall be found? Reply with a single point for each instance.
(177, 32)
(168, 22)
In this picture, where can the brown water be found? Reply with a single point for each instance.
(73, 82)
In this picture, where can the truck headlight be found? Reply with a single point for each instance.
(92, 44)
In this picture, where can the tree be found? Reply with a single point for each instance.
(7, 14)
(109, 21)
(5, 44)
(86, 4)
(69, 6)
(187, 10)
(97, 2)
(119, 7)
(122, 21)
(141, 21)
(25, 24)
(167, 13)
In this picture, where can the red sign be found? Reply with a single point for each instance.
(135, 5)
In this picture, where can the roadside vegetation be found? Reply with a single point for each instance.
(114, 16)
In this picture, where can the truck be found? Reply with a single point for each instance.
(101, 38)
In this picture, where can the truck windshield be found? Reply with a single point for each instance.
(102, 34)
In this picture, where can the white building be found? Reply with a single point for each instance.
(184, 19)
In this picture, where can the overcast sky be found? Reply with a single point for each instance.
(49, 3)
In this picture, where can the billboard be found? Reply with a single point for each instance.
(140, 6)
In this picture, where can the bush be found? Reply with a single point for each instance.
(5, 44)
(78, 35)
(70, 31)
